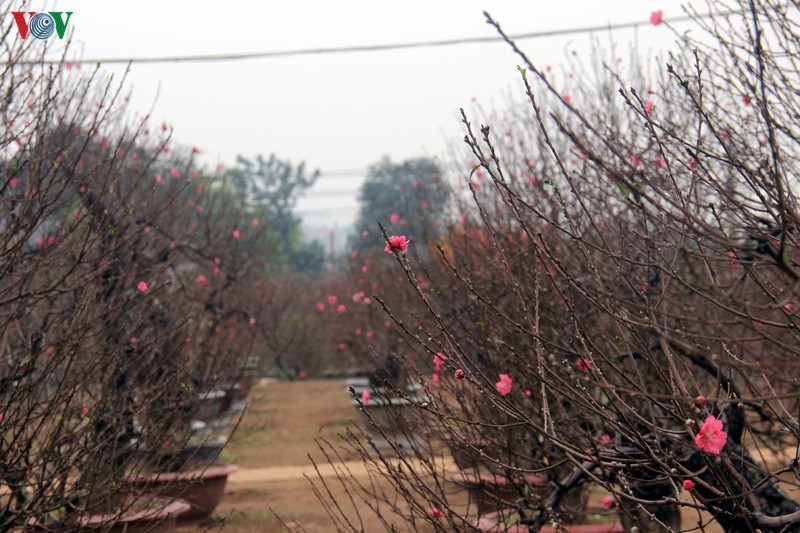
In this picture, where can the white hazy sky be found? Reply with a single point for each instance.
(334, 111)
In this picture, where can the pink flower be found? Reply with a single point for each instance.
(436, 380)
(527, 393)
(1, 416)
(134, 340)
(159, 179)
(365, 398)
(605, 439)
(142, 286)
(201, 280)
(255, 222)
(174, 172)
(609, 502)
(504, 385)
(357, 297)
(659, 162)
(395, 244)
(567, 98)
(584, 364)
(656, 17)
(331, 299)
(436, 514)
(370, 334)
(342, 346)
(14, 182)
(416, 184)
(458, 374)
(303, 374)
(84, 411)
(341, 309)
(688, 484)
(700, 401)
(711, 438)
(395, 218)
(648, 107)
(438, 362)
(235, 234)
(320, 307)
(364, 234)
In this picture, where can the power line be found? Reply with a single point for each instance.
(356, 48)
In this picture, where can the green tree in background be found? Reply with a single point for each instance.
(269, 189)
(405, 197)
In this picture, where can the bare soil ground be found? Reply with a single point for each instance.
(272, 447)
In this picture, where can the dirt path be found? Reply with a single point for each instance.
(297, 472)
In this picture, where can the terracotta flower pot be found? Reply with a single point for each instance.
(160, 514)
(490, 492)
(201, 488)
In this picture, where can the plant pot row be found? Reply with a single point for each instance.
(157, 501)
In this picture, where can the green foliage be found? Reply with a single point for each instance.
(268, 189)
(411, 191)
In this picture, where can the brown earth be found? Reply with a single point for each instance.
(272, 446)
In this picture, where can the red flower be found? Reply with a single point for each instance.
(711, 438)
(395, 244)
(688, 484)
(584, 364)
(459, 374)
(436, 514)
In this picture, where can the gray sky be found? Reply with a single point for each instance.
(334, 111)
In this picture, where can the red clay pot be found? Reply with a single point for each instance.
(202, 489)
(162, 518)
(491, 492)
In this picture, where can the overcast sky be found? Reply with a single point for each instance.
(337, 112)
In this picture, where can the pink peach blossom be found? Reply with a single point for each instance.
(142, 286)
(504, 385)
(365, 398)
(657, 17)
(396, 244)
(688, 484)
(711, 438)
(438, 362)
